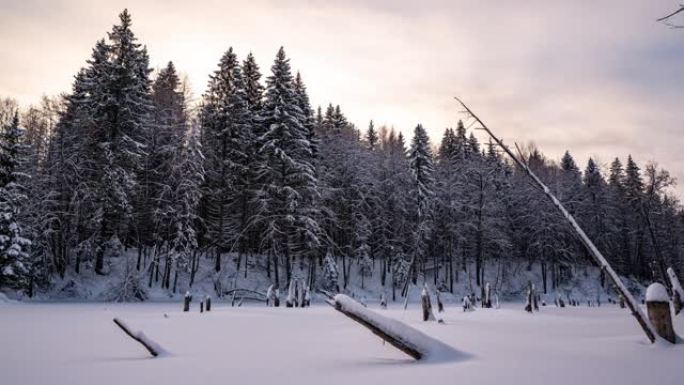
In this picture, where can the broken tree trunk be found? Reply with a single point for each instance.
(151, 346)
(401, 336)
(591, 248)
(658, 307)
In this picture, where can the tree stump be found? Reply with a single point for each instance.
(383, 301)
(208, 303)
(658, 308)
(186, 301)
(528, 305)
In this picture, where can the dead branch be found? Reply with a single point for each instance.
(151, 347)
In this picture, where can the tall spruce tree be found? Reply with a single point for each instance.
(287, 176)
(422, 170)
(228, 139)
(15, 266)
(118, 111)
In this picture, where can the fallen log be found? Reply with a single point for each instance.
(403, 337)
(151, 346)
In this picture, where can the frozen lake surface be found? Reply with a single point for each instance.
(78, 344)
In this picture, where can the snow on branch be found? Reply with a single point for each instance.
(401, 336)
(151, 346)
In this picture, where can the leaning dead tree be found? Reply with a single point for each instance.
(593, 251)
(151, 346)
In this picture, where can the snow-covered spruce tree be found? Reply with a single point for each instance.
(634, 189)
(153, 203)
(344, 185)
(286, 175)
(308, 116)
(392, 227)
(154, 198)
(188, 176)
(15, 266)
(594, 212)
(253, 86)
(64, 174)
(371, 137)
(228, 145)
(115, 113)
(422, 192)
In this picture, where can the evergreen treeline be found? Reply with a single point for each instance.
(123, 163)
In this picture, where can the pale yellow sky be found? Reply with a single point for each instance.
(601, 79)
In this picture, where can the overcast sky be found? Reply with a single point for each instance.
(599, 78)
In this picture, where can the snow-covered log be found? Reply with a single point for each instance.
(401, 336)
(151, 346)
(600, 260)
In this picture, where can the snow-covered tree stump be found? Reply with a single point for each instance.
(658, 308)
(383, 301)
(621, 301)
(487, 301)
(186, 301)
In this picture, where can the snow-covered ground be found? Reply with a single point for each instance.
(77, 344)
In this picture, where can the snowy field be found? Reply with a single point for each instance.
(78, 344)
